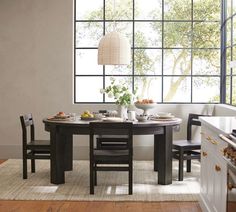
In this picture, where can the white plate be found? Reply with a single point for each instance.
(113, 119)
(164, 115)
(162, 119)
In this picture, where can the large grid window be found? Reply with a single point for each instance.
(230, 24)
(175, 49)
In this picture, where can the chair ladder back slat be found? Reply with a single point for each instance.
(193, 120)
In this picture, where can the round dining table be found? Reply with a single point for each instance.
(61, 137)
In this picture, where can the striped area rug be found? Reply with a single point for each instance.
(112, 186)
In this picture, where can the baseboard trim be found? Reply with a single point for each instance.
(79, 152)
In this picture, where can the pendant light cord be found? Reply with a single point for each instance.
(114, 14)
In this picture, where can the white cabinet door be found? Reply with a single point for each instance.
(220, 185)
(213, 172)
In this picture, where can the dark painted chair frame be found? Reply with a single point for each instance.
(118, 159)
(187, 149)
(32, 149)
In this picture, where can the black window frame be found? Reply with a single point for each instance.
(162, 48)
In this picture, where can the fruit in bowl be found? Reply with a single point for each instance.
(145, 105)
(144, 101)
(87, 114)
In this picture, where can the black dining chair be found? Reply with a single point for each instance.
(187, 149)
(111, 159)
(32, 149)
(110, 141)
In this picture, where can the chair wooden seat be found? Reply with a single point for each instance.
(39, 144)
(185, 143)
(33, 149)
(111, 159)
(111, 153)
(187, 149)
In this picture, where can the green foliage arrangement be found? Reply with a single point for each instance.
(120, 92)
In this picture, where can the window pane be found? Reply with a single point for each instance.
(151, 10)
(87, 93)
(91, 10)
(149, 88)
(118, 9)
(228, 85)
(177, 34)
(229, 8)
(234, 91)
(234, 59)
(234, 29)
(88, 34)
(118, 70)
(234, 6)
(228, 35)
(123, 27)
(177, 10)
(206, 89)
(228, 59)
(147, 34)
(127, 81)
(86, 62)
(206, 35)
(177, 89)
(206, 62)
(147, 61)
(177, 62)
(206, 10)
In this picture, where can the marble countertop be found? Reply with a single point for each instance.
(223, 124)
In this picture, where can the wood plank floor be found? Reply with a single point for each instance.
(96, 206)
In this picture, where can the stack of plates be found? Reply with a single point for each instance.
(113, 119)
(162, 116)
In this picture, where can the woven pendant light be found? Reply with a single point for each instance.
(114, 49)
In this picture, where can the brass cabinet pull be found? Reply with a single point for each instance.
(214, 142)
(217, 168)
(204, 154)
(211, 140)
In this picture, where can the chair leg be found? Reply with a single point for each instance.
(24, 167)
(130, 179)
(181, 164)
(91, 178)
(188, 163)
(33, 165)
(95, 175)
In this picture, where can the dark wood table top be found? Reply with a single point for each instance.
(78, 121)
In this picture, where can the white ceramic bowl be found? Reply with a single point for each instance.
(164, 114)
(142, 118)
(145, 107)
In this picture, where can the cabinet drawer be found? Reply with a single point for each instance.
(212, 142)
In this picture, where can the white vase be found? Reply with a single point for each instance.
(122, 112)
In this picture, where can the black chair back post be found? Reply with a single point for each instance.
(27, 122)
(193, 120)
(113, 157)
(187, 149)
(32, 149)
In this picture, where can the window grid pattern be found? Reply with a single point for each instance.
(230, 51)
(104, 74)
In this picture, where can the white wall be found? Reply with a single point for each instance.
(225, 110)
(36, 69)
